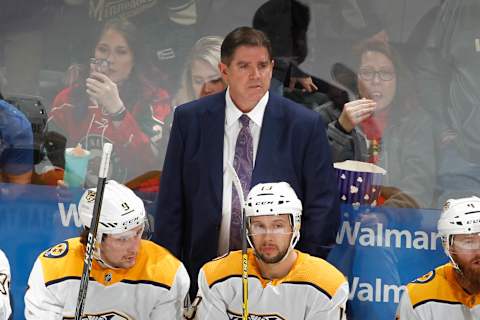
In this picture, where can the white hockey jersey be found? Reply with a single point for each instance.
(438, 296)
(5, 309)
(152, 289)
(313, 289)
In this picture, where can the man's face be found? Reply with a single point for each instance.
(121, 250)
(271, 237)
(465, 250)
(248, 75)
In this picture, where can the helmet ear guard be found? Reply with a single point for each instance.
(267, 199)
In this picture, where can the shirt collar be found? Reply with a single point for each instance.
(232, 113)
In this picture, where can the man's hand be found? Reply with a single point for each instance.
(306, 83)
(355, 112)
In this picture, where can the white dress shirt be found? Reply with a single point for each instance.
(231, 131)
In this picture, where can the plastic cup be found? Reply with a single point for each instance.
(358, 182)
(75, 167)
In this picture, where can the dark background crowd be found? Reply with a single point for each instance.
(426, 140)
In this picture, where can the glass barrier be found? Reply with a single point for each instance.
(393, 84)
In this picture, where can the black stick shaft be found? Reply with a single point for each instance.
(87, 263)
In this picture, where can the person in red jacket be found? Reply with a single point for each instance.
(115, 101)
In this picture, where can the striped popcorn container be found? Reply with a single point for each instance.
(358, 182)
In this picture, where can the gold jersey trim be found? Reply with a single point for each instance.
(307, 270)
(154, 266)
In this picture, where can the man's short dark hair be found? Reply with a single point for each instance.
(244, 36)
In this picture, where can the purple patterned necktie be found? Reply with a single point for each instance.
(243, 165)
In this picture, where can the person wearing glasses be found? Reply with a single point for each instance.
(130, 278)
(283, 283)
(386, 126)
(452, 290)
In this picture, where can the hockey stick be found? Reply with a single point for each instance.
(92, 233)
(238, 188)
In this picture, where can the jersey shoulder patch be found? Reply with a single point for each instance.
(57, 251)
(425, 278)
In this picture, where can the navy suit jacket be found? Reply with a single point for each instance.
(293, 147)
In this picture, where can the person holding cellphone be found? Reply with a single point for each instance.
(115, 100)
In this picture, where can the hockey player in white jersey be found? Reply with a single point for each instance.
(130, 278)
(5, 309)
(283, 283)
(451, 291)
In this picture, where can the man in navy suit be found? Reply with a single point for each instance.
(289, 144)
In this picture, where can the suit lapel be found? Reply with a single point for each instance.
(214, 126)
(272, 128)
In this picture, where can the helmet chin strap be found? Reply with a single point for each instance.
(449, 255)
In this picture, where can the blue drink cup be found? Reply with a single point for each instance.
(76, 167)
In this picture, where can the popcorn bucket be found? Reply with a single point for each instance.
(359, 182)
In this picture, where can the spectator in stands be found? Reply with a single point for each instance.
(16, 145)
(386, 126)
(447, 69)
(286, 22)
(201, 76)
(115, 101)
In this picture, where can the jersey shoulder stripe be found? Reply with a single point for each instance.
(153, 283)
(231, 277)
(435, 300)
(155, 265)
(55, 281)
(305, 283)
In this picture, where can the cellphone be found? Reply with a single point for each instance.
(100, 65)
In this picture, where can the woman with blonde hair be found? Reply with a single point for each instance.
(201, 76)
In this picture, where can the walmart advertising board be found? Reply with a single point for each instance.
(379, 250)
